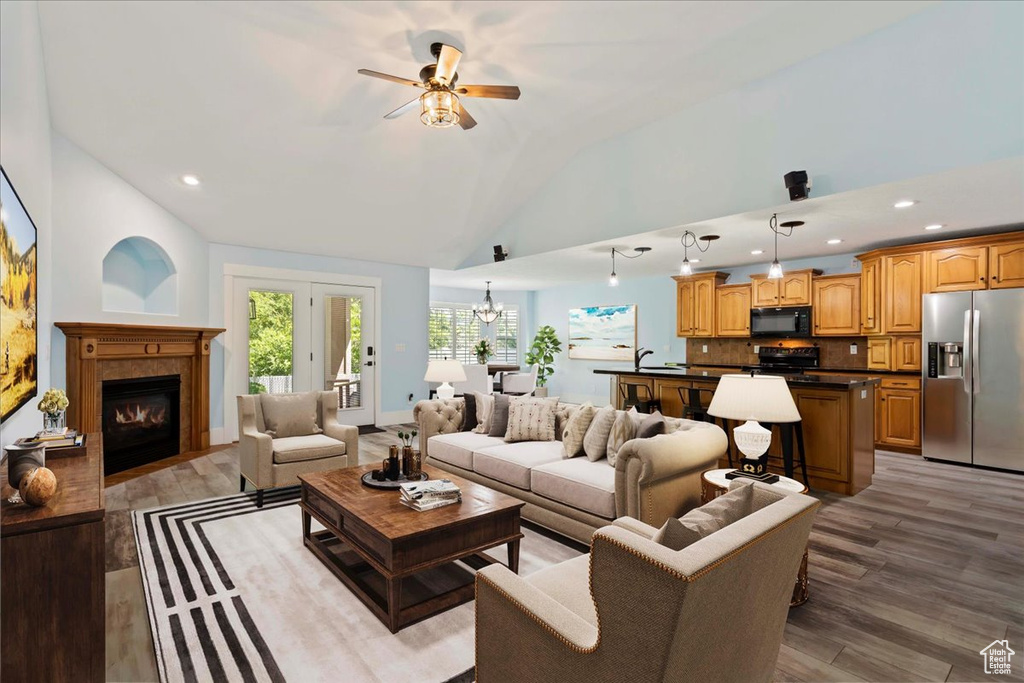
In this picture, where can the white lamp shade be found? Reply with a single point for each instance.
(445, 371)
(764, 398)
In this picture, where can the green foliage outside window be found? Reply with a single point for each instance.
(270, 335)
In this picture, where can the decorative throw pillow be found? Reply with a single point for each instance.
(707, 519)
(637, 417)
(469, 413)
(484, 408)
(652, 425)
(595, 443)
(563, 411)
(290, 414)
(576, 428)
(499, 416)
(531, 419)
(623, 429)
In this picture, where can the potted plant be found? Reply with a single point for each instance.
(483, 351)
(542, 354)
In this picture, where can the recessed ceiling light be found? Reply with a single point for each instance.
(757, 252)
(934, 226)
(695, 260)
(190, 180)
(834, 241)
(904, 203)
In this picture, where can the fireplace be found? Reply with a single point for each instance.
(141, 421)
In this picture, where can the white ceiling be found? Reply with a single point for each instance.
(261, 100)
(965, 200)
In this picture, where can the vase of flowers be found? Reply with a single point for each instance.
(52, 405)
(483, 351)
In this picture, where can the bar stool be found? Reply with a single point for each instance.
(786, 432)
(694, 408)
(631, 397)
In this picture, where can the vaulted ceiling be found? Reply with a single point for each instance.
(261, 100)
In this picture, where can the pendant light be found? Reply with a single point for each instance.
(775, 270)
(488, 312)
(613, 279)
(691, 240)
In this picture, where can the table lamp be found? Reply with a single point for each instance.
(753, 398)
(445, 371)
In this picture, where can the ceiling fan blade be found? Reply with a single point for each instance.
(501, 92)
(465, 120)
(447, 63)
(408, 106)
(393, 79)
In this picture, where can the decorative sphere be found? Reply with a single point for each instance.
(38, 486)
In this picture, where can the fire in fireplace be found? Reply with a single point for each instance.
(141, 421)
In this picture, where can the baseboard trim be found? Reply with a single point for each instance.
(394, 417)
(217, 436)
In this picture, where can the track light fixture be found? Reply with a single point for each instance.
(688, 240)
(613, 279)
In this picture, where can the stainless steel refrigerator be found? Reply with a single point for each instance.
(973, 377)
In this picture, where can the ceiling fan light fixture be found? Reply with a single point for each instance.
(439, 108)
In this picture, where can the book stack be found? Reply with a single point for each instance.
(68, 438)
(427, 495)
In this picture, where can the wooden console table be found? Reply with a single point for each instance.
(52, 626)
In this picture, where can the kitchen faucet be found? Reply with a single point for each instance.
(639, 355)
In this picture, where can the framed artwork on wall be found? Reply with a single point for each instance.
(603, 333)
(18, 299)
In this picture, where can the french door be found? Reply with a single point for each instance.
(343, 351)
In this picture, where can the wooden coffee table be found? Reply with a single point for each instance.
(403, 564)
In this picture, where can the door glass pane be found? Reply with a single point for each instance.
(343, 362)
(271, 326)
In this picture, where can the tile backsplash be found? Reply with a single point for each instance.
(835, 351)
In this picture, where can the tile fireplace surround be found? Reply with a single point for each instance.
(105, 351)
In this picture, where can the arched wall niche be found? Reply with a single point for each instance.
(139, 277)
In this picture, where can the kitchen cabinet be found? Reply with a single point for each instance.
(732, 311)
(906, 354)
(792, 289)
(836, 305)
(900, 412)
(879, 353)
(1006, 265)
(871, 296)
(695, 303)
(956, 270)
(902, 288)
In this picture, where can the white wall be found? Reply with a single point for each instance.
(93, 210)
(25, 155)
(404, 304)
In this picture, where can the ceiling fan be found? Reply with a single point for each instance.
(440, 105)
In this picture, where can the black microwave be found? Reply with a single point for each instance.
(792, 321)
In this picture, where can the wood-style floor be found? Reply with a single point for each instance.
(909, 579)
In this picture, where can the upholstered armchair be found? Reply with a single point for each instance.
(281, 436)
(519, 382)
(634, 610)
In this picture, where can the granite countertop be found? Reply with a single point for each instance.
(859, 371)
(820, 381)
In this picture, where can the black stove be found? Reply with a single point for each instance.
(775, 360)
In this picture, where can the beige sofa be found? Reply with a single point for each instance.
(267, 462)
(652, 480)
(634, 610)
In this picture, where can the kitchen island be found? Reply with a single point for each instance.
(837, 413)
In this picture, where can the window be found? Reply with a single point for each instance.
(454, 330)
(506, 337)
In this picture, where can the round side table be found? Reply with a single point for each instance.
(713, 484)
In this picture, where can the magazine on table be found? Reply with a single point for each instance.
(422, 505)
(430, 490)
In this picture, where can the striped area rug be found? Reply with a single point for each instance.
(233, 595)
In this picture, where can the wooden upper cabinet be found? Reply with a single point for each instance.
(1006, 265)
(906, 353)
(871, 296)
(793, 289)
(836, 305)
(695, 303)
(956, 270)
(902, 293)
(880, 353)
(733, 311)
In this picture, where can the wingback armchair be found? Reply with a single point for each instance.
(281, 436)
(635, 610)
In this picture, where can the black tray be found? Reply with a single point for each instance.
(368, 480)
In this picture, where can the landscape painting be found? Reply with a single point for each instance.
(603, 333)
(18, 358)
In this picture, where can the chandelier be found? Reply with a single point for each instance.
(488, 311)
